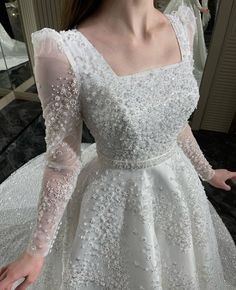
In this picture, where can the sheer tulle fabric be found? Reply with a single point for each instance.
(58, 90)
(199, 48)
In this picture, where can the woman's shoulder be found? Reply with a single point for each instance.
(49, 39)
(185, 14)
(46, 41)
(45, 34)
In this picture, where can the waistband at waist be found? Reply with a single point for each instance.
(136, 164)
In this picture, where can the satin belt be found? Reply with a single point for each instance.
(136, 164)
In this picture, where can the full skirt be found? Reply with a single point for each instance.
(150, 228)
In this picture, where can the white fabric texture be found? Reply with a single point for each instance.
(129, 212)
(205, 16)
(199, 48)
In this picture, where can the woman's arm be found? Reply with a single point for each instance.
(58, 90)
(186, 139)
(190, 147)
(215, 177)
(197, 4)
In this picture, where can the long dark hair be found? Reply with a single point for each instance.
(76, 11)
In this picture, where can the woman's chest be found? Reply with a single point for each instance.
(162, 96)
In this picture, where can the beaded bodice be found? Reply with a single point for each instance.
(135, 116)
(132, 117)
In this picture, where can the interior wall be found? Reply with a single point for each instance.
(48, 13)
(217, 104)
(29, 24)
(37, 14)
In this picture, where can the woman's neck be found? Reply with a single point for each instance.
(134, 17)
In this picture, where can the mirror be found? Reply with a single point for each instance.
(205, 25)
(5, 84)
(15, 67)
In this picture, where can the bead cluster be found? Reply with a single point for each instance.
(140, 121)
(62, 114)
(189, 145)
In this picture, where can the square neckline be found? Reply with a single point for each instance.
(141, 72)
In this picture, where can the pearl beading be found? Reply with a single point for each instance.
(135, 164)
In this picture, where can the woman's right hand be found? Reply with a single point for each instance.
(204, 10)
(25, 266)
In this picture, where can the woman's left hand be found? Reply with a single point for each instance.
(219, 178)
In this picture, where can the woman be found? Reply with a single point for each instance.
(199, 47)
(134, 215)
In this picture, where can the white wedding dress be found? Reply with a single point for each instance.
(128, 212)
(199, 47)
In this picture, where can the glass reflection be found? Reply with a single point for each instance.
(5, 83)
(205, 14)
(14, 60)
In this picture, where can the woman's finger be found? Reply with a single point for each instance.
(4, 283)
(3, 275)
(233, 175)
(226, 186)
(2, 270)
(9, 287)
(24, 284)
(234, 179)
(7, 281)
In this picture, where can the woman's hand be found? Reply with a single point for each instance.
(204, 10)
(219, 178)
(25, 266)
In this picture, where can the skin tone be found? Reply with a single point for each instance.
(132, 36)
(204, 10)
(136, 33)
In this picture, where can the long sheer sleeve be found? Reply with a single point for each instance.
(185, 138)
(197, 3)
(191, 149)
(188, 19)
(58, 91)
